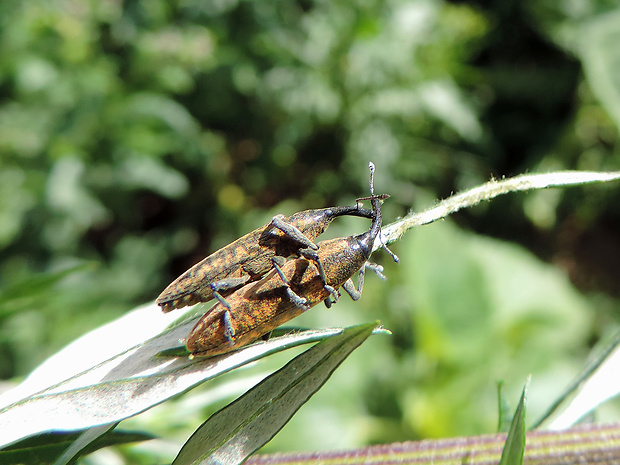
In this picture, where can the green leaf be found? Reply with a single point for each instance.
(83, 443)
(128, 383)
(514, 448)
(503, 407)
(25, 295)
(95, 347)
(42, 449)
(239, 429)
(600, 53)
(597, 383)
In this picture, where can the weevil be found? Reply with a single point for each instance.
(250, 257)
(258, 308)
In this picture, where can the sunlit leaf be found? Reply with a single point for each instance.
(598, 382)
(129, 383)
(101, 344)
(239, 429)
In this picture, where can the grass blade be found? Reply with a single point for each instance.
(488, 191)
(597, 383)
(514, 448)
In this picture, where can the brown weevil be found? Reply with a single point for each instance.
(287, 291)
(250, 257)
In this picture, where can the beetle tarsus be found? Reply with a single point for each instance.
(334, 293)
(298, 301)
(349, 287)
(378, 269)
(229, 331)
(314, 257)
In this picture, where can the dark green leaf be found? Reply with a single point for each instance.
(44, 448)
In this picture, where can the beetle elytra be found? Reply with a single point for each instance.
(251, 256)
(259, 307)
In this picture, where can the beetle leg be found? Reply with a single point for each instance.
(312, 255)
(385, 247)
(378, 269)
(292, 232)
(298, 301)
(229, 332)
(228, 284)
(224, 314)
(348, 286)
(328, 302)
(224, 285)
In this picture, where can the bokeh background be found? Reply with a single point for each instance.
(137, 136)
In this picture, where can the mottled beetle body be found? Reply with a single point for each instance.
(258, 308)
(251, 256)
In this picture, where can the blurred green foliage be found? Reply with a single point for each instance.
(140, 135)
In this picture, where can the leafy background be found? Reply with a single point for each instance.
(137, 136)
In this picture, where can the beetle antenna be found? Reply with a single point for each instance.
(376, 199)
(371, 167)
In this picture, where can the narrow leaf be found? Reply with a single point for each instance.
(239, 429)
(597, 383)
(43, 448)
(514, 448)
(24, 295)
(83, 443)
(130, 383)
(93, 348)
(503, 421)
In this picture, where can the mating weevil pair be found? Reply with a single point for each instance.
(250, 257)
(257, 308)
